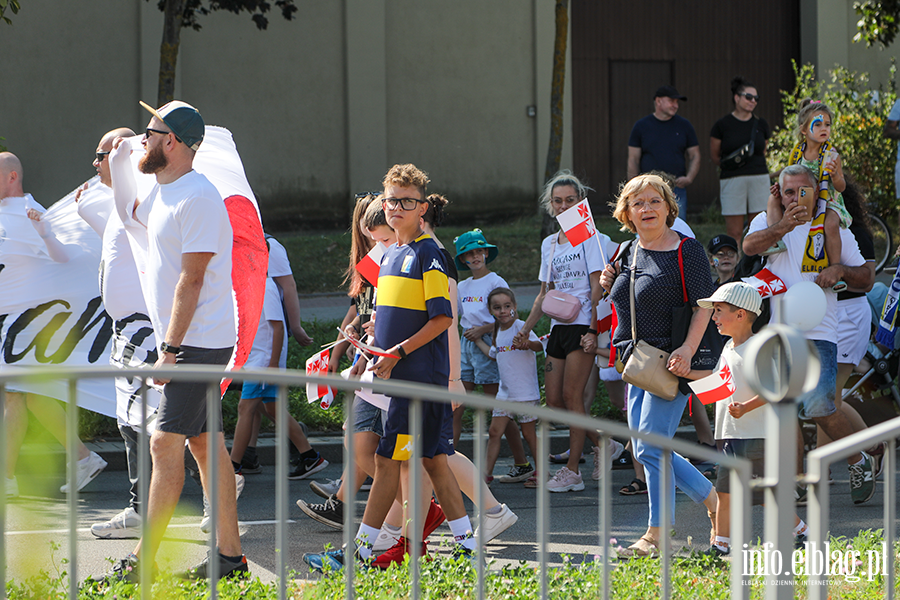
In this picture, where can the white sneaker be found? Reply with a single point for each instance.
(384, 541)
(12, 488)
(88, 469)
(565, 481)
(496, 524)
(238, 488)
(125, 525)
(618, 448)
(327, 489)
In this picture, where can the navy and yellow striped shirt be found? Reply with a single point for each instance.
(413, 289)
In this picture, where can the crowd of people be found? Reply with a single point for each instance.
(174, 243)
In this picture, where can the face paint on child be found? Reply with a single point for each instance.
(818, 119)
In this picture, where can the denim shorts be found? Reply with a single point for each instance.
(182, 409)
(754, 450)
(819, 402)
(255, 389)
(475, 367)
(367, 417)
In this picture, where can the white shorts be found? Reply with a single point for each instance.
(854, 330)
(744, 195)
(520, 419)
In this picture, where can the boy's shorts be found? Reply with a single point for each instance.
(182, 409)
(520, 419)
(565, 339)
(255, 389)
(752, 449)
(475, 367)
(367, 417)
(396, 443)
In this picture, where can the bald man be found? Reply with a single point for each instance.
(13, 199)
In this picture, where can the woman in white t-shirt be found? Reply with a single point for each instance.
(570, 349)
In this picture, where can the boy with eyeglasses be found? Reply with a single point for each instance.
(723, 257)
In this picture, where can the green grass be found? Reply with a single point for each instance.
(444, 579)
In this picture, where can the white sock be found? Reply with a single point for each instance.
(365, 537)
(494, 511)
(462, 532)
(723, 543)
(800, 528)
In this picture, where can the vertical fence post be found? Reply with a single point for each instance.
(281, 490)
(414, 525)
(479, 498)
(665, 523)
(349, 485)
(818, 501)
(890, 512)
(3, 499)
(605, 508)
(543, 503)
(145, 567)
(72, 477)
(212, 479)
(739, 483)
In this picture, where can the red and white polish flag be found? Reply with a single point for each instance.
(370, 265)
(716, 387)
(317, 364)
(578, 223)
(766, 283)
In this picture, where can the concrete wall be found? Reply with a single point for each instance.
(320, 106)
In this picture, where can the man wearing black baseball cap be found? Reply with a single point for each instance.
(663, 141)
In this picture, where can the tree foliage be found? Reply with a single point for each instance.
(860, 114)
(186, 13)
(10, 5)
(878, 21)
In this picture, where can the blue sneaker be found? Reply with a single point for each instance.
(333, 560)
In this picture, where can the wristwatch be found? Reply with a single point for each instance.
(164, 347)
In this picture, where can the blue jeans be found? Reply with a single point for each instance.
(819, 402)
(651, 414)
(681, 200)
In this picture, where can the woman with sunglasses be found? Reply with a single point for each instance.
(737, 144)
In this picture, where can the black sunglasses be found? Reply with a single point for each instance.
(366, 194)
(101, 156)
(160, 132)
(750, 96)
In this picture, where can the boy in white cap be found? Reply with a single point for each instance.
(740, 428)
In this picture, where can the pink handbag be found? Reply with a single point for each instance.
(556, 304)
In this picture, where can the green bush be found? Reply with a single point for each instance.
(860, 114)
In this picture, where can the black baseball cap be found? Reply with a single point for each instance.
(667, 91)
(722, 241)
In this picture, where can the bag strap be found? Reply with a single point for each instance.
(550, 284)
(631, 294)
(681, 270)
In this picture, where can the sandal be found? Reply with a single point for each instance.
(650, 548)
(712, 530)
(532, 482)
(634, 488)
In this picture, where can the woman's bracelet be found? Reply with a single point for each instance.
(592, 330)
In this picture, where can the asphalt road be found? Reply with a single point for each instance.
(37, 519)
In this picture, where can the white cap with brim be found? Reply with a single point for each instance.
(737, 294)
(183, 119)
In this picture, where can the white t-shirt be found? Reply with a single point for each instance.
(118, 273)
(518, 368)
(17, 235)
(279, 264)
(753, 424)
(473, 295)
(185, 216)
(261, 352)
(786, 265)
(571, 268)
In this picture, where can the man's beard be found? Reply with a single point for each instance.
(153, 161)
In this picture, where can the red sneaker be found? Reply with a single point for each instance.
(395, 553)
(433, 519)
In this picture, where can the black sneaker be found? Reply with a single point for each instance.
(862, 480)
(308, 466)
(800, 495)
(800, 540)
(227, 568)
(250, 462)
(716, 552)
(125, 569)
(517, 473)
(624, 461)
(330, 512)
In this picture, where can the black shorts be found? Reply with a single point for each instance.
(182, 409)
(437, 424)
(565, 339)
(752, 449)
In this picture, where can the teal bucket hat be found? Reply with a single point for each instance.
(473, 240)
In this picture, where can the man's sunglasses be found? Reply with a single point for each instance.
(101, 156)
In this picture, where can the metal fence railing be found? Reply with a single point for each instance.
(740, 470)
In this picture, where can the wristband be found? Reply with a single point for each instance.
(401, 351)
(592, 330)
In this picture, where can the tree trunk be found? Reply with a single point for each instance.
(168, 51)
(557, 87)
